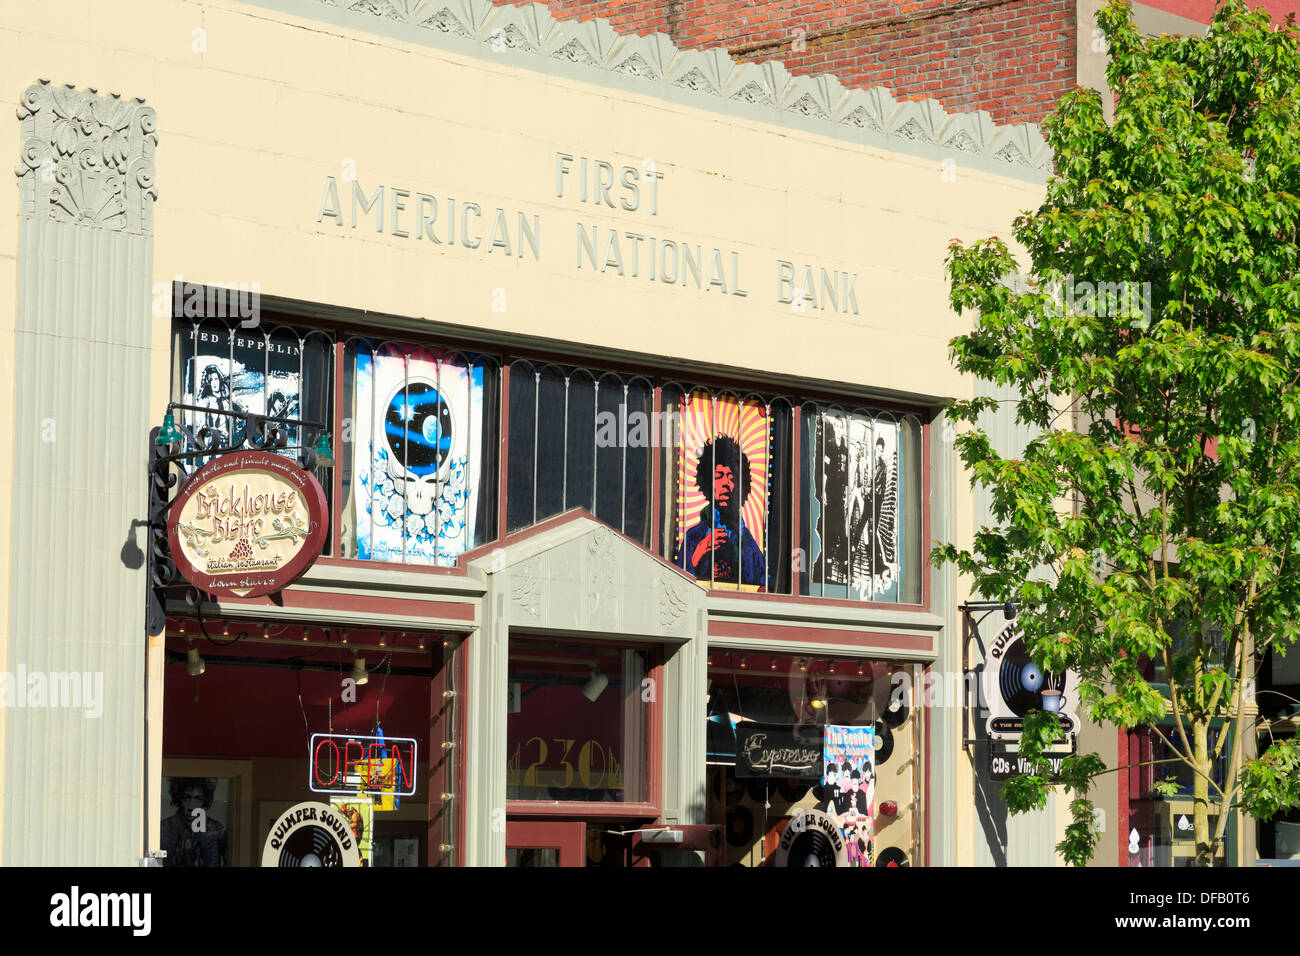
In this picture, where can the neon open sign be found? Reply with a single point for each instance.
(343, 763)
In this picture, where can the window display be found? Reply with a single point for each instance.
(576, 726)
(795, 746)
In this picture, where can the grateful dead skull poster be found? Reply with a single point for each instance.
(418, 428)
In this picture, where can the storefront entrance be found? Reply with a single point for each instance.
(244, 702)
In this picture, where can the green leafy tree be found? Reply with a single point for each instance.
(1156, 343)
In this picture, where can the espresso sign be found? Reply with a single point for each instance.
(248, 524)
(765, 750)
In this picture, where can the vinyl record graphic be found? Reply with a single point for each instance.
(895, 713)
(759, 789)
(884, 742)
(792, 789)
(715, 782)
(811, 838)
(311, 846)
(311, 834)
(891, 856)
(1022, 682)
(740, 827)
(811, 848)
(735, 787)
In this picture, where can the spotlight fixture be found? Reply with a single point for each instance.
(225, 629)
(323, 453)
(169, 433)
(595, 685)
(803, 665)
(181, 628)
(344, 636)
(383, 641)
(194, 665)
(359, 673)
(742, 661)
(266, 632)
(832, 668)
(774, 663)
(421, 644)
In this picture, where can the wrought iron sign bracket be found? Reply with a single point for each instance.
(171, 469)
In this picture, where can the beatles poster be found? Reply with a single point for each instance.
(849, 787)
(855, 507)
(418, 428)
(722, 491)
(233, 372)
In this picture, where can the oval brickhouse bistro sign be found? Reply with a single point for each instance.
(248, 524)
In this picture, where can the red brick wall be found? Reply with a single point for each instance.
(1013, 58)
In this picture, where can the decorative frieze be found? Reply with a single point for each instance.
(87, 159)
(654, 64)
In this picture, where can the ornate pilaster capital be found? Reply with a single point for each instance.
(87, 159)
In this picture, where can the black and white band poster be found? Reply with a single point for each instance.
(854, 507)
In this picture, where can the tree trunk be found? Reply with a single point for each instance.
(1201, 792)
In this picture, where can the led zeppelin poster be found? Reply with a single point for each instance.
(418, 426)
(229, 371)
(849, 786)
(855, 507)
(722, 491)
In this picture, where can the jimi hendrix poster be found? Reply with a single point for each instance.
(849, 787)
(722, 491)
(854, 507)
(418, 433)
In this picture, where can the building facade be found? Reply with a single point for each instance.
(630, 361)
